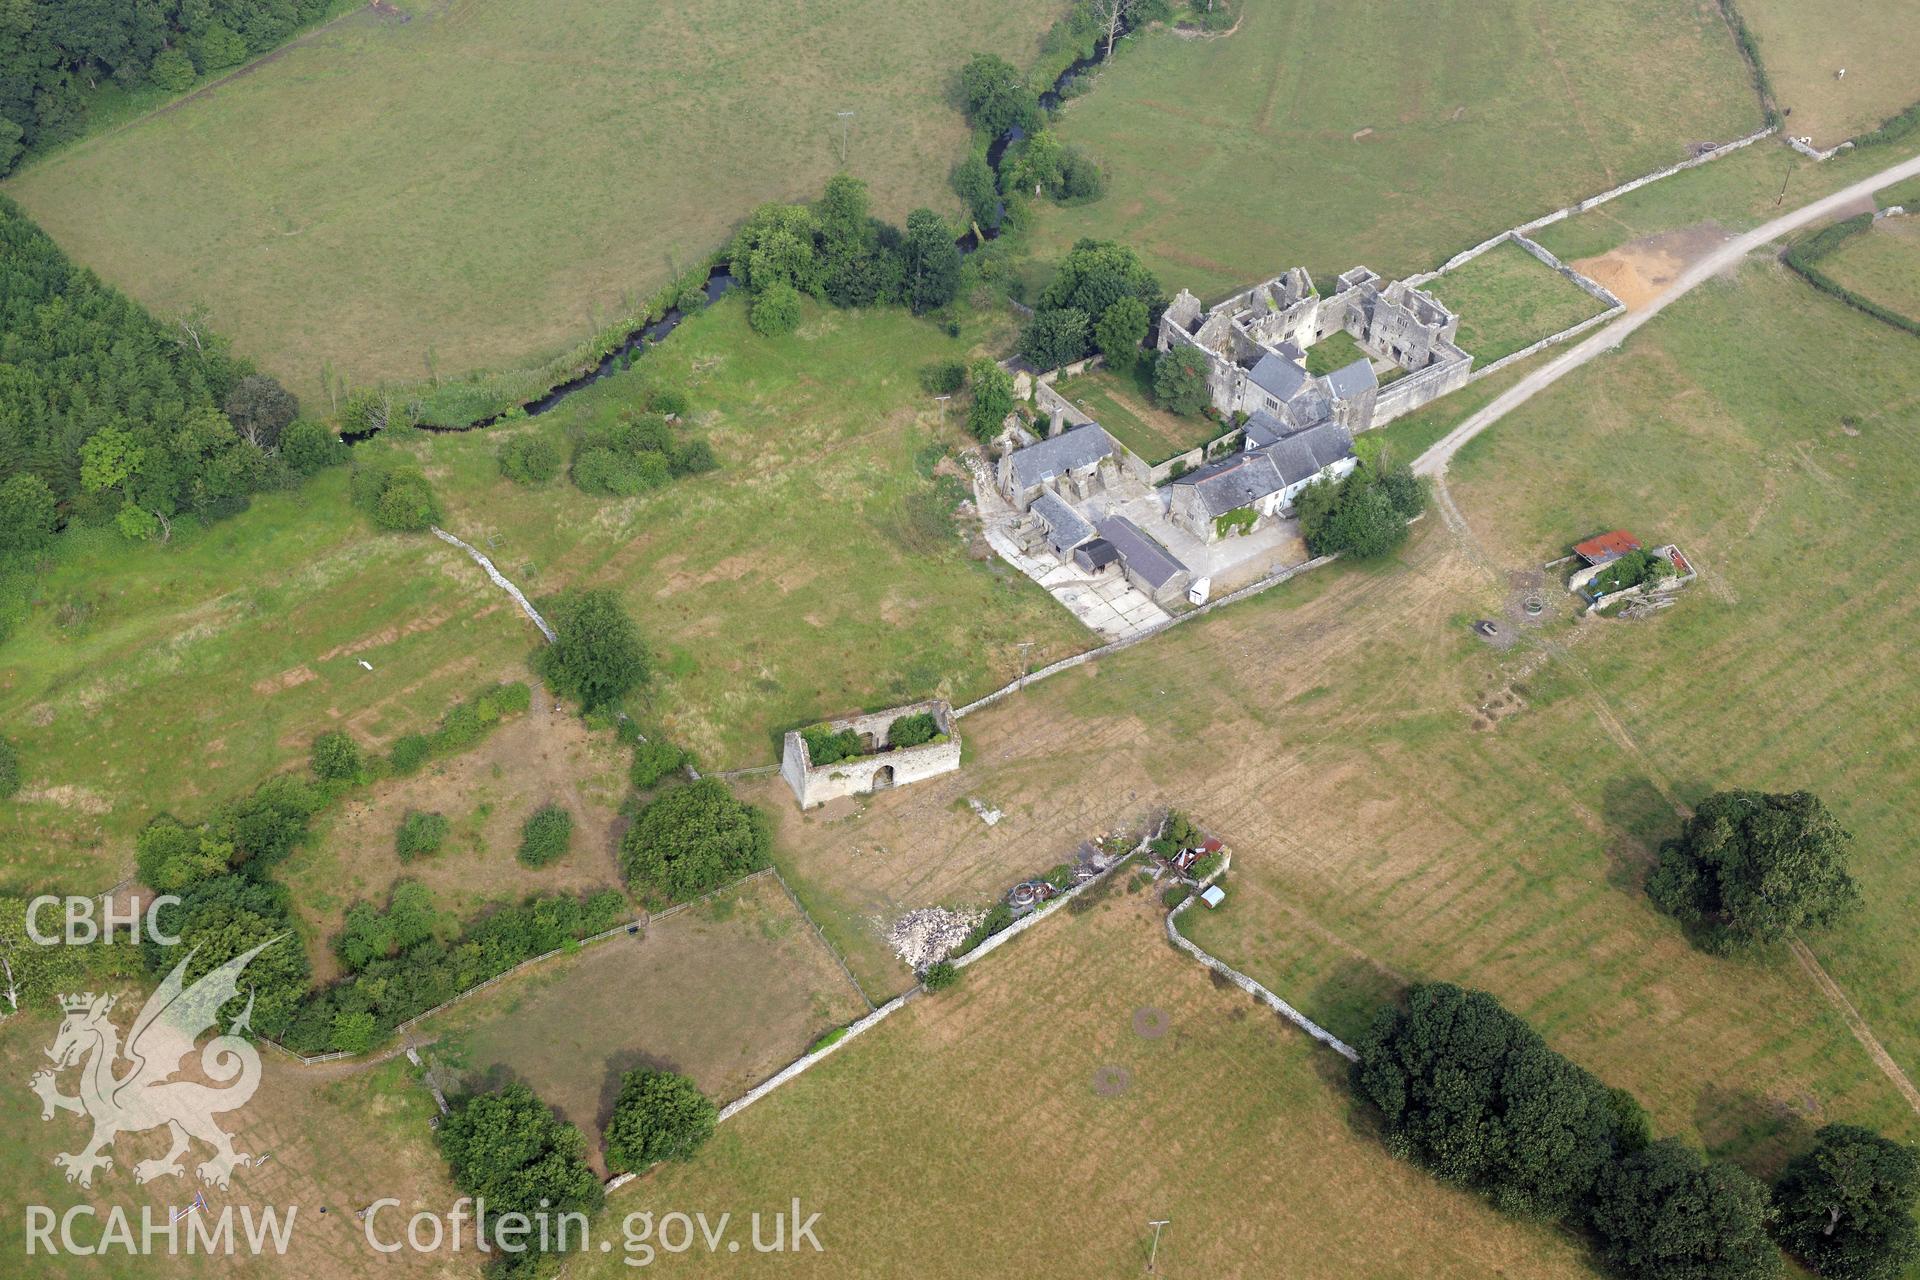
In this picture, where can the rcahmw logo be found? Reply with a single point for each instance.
(145, 1096)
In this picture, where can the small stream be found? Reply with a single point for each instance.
(720, 279)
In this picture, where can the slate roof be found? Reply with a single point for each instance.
(1276, 377)
(1095, 555)
(1353, 380)
(1236, 481)
(1142, 554)
(1065, 527)
(1305, 454)
(1263, 429)
(1072, 450)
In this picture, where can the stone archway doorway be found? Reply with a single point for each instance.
(883, 777)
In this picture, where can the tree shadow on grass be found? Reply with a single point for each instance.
(1642, 820)
(1757, 1133)
(1350, 996)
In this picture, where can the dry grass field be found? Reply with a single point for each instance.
(1327, 134)
(480, 183)
(726, 992)
(1804, 46)
(1019, 1125)
(1406, 803)
(320, 1139)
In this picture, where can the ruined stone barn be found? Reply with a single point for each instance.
(1255, 344)
(877, 765)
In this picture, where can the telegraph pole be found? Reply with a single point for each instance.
(1154, 1254)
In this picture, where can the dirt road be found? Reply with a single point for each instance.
(1434, 461)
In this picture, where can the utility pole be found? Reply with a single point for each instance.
(1024, 646)
(1154, 1254)
(845, 118)
(943, 412)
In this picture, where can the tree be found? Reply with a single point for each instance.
(31, 973)
(307, 447)
(693, 839)
(913, 730)
(932, 261)
(1180, 381)
(652, 761)
(1471, 1092)
(992, 398)
(995, 97)
(1667, 1213)
(397, 496)
(1095, 274)
(227, 916)
(1750, 868)
(420, 835)
(1846, 1208)
(940, 975)
(172, 856)
(546, 836)
(511, 1151)
(973, 182)
(1119, 333)
(336, 757)
(776, 311)
(529, 460)
(658, 1115)
(1054, 337)
(1111, 16)
(260, 409)
(1363, 514)
(597, 655)
(29, 513)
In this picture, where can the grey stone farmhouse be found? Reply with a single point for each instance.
(1256, 342)
(1262, 480)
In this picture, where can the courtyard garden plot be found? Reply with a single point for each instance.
(1507, 299)
(482, 183)
(727, 992)
(1336, 134)
(1123, 404)
(1882, 265)
(1020, 1124)
(1805, 47)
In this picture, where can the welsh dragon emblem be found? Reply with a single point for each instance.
(146, 1096)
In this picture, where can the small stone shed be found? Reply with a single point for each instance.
(878, 767)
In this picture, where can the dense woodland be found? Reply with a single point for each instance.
(56, 55)
(108, 415)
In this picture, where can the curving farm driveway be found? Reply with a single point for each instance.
(1434, 461)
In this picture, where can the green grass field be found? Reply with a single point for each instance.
(1804, 47)
(818, 571)
(1121, 403)
(1326, 134)
(1507, 299)
(1882, 264)
(170, 678)
(481, 183)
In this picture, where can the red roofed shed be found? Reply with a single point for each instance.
(1606, 546)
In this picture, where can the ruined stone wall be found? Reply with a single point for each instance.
(1417, 390)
